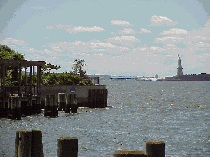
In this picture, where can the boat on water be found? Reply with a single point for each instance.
(123, 77)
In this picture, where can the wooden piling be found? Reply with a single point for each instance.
(28, 143)
(14, 108)
(47, 110)
(67, 146)
(17, 143)
(50, 106)
(3, 109)
(36, 143)
(61, 101)
(71, 103)
(24, 145)
(129, 153)
(53, 106)
(97, 98)
(155, 149)
(68, 103)
(38, 104)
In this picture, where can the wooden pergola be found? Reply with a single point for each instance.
(4, 63)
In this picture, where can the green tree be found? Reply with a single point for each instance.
(48, 67)
(11, 72)
(78, 67)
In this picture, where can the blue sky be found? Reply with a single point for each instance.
(118, 37)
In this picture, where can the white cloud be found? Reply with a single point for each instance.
(174, 31)
(87, 29)
(124, 40)
(93, 46)
(127, 31)
(49, 27)
(13, 43)
(121, 23)
(207, 24)
(74, 29)
(144, 31)
(166, 40)
(161, 21)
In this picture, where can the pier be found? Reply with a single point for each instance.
(29, 97)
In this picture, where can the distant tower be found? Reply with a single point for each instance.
(179, 69)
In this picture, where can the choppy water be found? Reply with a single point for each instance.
(174, 112)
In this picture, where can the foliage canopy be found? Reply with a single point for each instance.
(76, 77)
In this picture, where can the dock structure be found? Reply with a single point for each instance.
(28, 93)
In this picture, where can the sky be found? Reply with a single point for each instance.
(118, 37)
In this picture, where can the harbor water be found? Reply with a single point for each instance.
(177, 113)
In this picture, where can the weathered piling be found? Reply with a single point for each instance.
(26, 108)
(14, 108)
(24, 144)
(71, 103)
(17, 142)
(34, 109)
(129, 153)
(155, 149)
(50, 106)
(47, 109)
(97, 98)
(36, 143)
(38, 104)
(61, 101)
(28, 143)
(3, 109)
(67, 146)
(53, 104)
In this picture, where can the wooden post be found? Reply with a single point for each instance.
(25, 76)
(106, 96)
(61, 101)
(155, 148)
(30, 91)
(36, 143)
(38, 104)
(47, 106)
(19, 80)
(14, 108)
(68, 103)
(28, 143)
(53, 106)
(67, 146)
(50, 106)
(129, 153)
(24, 145)
(73, 103)
(17, 143)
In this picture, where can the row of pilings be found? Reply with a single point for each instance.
(17, 107)
(28, 143)
(66, 102)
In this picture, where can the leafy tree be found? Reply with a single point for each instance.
(11, 72)
(48, 67)
(78, 67)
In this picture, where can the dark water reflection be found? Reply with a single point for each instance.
(175, 112)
